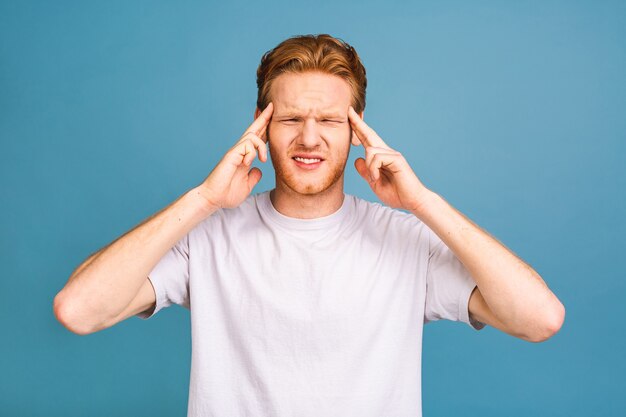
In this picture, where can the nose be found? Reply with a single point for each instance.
(310, 135)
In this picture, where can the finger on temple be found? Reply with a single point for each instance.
(260, 123)
(365, 133)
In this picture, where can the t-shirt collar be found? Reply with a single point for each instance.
(267, 208)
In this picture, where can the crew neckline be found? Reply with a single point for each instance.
(264, 203)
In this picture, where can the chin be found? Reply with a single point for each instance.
(309, 187)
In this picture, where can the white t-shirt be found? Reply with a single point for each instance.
(310, 318)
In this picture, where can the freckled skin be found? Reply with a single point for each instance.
(310, 116)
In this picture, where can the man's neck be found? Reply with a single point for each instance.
(307, 206)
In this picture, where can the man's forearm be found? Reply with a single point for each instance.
(104, 284)
(514, 292)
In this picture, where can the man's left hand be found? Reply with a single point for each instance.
(386, 171)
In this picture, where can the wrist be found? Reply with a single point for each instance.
(200, 202)
(427, 204)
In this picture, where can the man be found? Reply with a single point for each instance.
(306, 301)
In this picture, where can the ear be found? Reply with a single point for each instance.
(256, 113)
(355, 139)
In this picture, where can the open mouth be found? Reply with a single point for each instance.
(307, 163)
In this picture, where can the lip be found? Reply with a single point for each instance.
(304, 166)
(307, 156)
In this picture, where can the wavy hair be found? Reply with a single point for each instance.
(322, 53)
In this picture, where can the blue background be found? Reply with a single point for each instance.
(514, 112)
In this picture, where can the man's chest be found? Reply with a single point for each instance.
(350, 281)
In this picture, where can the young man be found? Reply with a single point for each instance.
(305, 300)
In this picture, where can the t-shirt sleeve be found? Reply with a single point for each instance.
(449, 285)
(170, 278)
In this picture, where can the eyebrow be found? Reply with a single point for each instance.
(325, 115)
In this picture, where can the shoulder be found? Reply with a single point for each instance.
(377, 216)
(232, 219)
(376, 211)
(396, 235)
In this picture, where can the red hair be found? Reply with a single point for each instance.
(322, 53)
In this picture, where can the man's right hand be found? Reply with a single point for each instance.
(232, 180)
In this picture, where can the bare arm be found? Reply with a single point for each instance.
(516, 299)
(515, 296)
(112, 284)
(104, 285)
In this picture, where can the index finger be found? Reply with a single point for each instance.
(260, 123)
(366, 134)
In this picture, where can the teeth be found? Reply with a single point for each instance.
(306, 160)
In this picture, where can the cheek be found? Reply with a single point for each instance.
(340, 135)
(281, 133)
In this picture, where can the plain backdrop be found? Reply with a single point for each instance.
(513, 111)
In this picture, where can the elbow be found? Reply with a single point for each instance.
(66, 314)
(551, 326)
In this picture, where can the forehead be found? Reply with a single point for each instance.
(310, 93)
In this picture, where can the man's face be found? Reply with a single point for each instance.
(309, 134)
